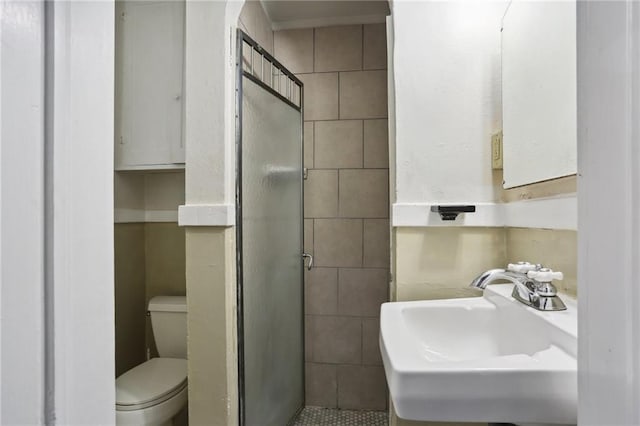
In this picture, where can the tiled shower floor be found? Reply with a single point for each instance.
(318, 416)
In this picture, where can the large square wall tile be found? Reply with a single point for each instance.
(376, 243)
(338, 48)
(320, 96)
(338, 242)
(376, 144)
(363, 94)
(361, 387)
(321, 291)
(375, 47)
(364, 193)
(321, 385)
(362, 291)
(338, 144)
(294, 49)
(321, 194)
(336, 339)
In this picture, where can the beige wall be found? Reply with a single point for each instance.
(129, 295)
(211, 298)
(565, 185)
(346, 203)
(149, 261)
(439, 263)
(164, 266)
(555, 249)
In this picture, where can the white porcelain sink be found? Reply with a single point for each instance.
(484, 359)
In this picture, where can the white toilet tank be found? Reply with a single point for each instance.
(169, 323)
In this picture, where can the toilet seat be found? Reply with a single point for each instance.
(150, 383)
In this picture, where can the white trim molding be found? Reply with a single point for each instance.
(420, 215)
(559, 212)
(22, 213)
(82, 317)
(138, 215)
(207, 215)
(609, 188)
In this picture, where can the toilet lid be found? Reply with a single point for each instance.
(151, 381)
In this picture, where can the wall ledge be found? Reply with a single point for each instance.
(559, 212)
(139, 215)
(207, 215)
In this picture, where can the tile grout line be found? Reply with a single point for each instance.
(339, 71)
(350, 119)
(339, 117)
(337, 289)
(338, 191)
(313, 126)
(362, 258)
(362, 47)
(363, 163)
(341, 168)
(361, 341)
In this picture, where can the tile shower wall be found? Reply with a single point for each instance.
(346, 207)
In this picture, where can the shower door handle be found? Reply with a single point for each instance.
(304, 256)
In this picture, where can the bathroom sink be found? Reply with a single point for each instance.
(484, 359)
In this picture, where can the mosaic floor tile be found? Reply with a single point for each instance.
(318, 416)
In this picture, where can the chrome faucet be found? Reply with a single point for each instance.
(532, 284)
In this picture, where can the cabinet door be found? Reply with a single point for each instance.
(149, 84)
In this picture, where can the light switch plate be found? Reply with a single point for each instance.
(496, 151)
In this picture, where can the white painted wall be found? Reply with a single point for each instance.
(210, 109)
(447, 89)
(22, 213)
(609, 201)
(210, 113)
(148, 197)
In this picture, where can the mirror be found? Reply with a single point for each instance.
(539, 91)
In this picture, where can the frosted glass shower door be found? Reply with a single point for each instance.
(272, 346)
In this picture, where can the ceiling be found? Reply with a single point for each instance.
(309, 13)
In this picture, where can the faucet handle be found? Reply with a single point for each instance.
(545, 275)
(521, 267)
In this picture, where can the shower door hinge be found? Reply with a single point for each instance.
(305, 173)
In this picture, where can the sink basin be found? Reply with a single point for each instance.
(483, 359)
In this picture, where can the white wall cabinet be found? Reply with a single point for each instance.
(149, 85)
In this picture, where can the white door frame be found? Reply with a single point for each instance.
(21, 212)
(608, 212)
(56, 213)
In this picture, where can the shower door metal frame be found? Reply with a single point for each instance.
(243, 38)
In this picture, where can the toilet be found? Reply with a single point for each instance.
(155, 391)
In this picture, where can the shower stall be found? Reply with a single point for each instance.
(269, 199)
